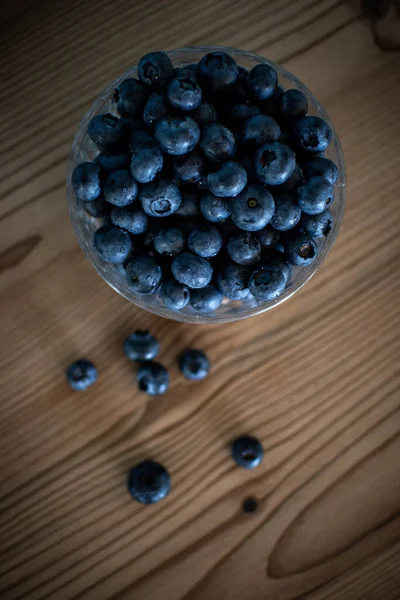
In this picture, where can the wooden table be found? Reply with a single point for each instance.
(317, 379)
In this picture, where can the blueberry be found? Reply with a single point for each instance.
(120, 189)
(214, 209)
(232, 281)
(130, 218)
(273, 258)
(312, 134)
(300, 250)
(160, 198)
(190, 168)
(229, 180)
(169, 242)
(143, 274)
(112, 244)
(191, 67)
(190, 207)
(140, 140)
(130, 97)
(204, 114)
(155, 69)
(146, 164)
(191, 270)
(141, 345)
(293, 105)
(217, 142)
(149, 482)
(267, 282)
(317, 225)
(247, 452)
(98, 207)
(174, 295)
(259, 130)
(271, 105)
(131, 123)
(205, 240)
(86, 181)
(287, 214)
(322, 167)
(177, 135)
(206, 299)
(253, 208)
(245, 159)
(106, 130)
(262, 81)
(244, 248)
(183, 91)
(194, 364)
(156, 108)
(290, 185)
(315, 195)
(81, 375)
(241, 112)
(268, 238)
(274, 163)
(216, 71)
(112, 160)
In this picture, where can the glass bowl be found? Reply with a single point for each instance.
(83, 149)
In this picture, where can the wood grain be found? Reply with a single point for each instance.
(317, 379)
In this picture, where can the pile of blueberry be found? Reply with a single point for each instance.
(211, 181)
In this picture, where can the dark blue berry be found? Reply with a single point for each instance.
(81, 375)
(106, 130)
(273, 258)
(205, 240)
(268, 238)
(189, 207)
(246, 160)
(130, 218)
(177, 135)
(262, 81)
(190, 168)
(155, 69)
(293, 105)
(206, 299)
(156, 108)
(160, 198)
(130, 96)
(253, 208)
(315, 195)
(217, 142)
(112, 244)
(152, 378)
(194, 364)
(232, 281)
(131, 123)
(247, 452)
(270, 106)
(149, 482)
(112, 160)
(290, 185)
(169, 242)
(287, 214)
(300, 250)
(317, 225)
(140, 140)
(98, 207)
(239, 89)
(146, 164)
(183, 91)
(249, 505)
(86, 181)
(214, 209)
(191, 67)
(174, 295)
(120, 189)
(216, 71)
(204, 114)
(274, 163)
(191, 270)
(259, 130)
(141, 345)
(229, 180)
(143, 274)
(244, 248)
(241, 112)
(312, 134)
(322, 167)
(267, 282)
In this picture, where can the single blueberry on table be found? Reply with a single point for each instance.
(177, 135)
(120, 189)
(293, 105)
(260, 129)
(213, 208)
(205, 240)
(191, 270)
(249, 505)
(183, 91)
(130, 218)
(232, 281)
(317, 225)
(98, 207)
(253, 208)
(312, 134)
(152, 378)
(149, 482)
(156, 108)
(322, 167)
(244, 248)
(267, 282)
(143, 274)
(190, 207)
(217, 71)
(160, 198)
(247, 451)
(300, 250)
(174, 295)
(287, 213)
(194, 364)
(86, 181)
(106, 130)
(81, 375)
(206, 299)
(146, 164)
(217, 142)
(315, 195)
(268, 238)
(241, 112)
(141, 345)
(262, 81)
(239, 89)
(205, 113)
(274, 163)
(169, 242)
(130, 96)
(112, 160)
(155, 69)
(190, 168)
(112, 244)
(229, 180)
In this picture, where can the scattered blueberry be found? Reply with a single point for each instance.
(206, 299)
(315, 195)
(205, 240)
(149, 482)
(300, 250)
(160, 198)
(274, 163)
(120, 189)
(174, 295)
(152, 378)
(244, 248)
(130, 97)
(267, 282)
(322, 167)
(189, 207)
(130, 218)
(86, 181)
(183, 91)
(190, 168)
(217, 142)
(141, 345)
(293, 105)
(191, 270)
(194, 364)
(253, 208)
(260, 129)
(156, 108)
(146, 164)
(217, 71)
(106, 130)
(247, 452)
(177, 135)
(155, 69)
(143, 274)
(287, 214)
(232, 281)
(214, 209)
(262, 82)
(318, 225)
(169, 241)
(229, 181)
(250, 505)
(312, 134)
(81, 375)
(112, 244)
(112, 160)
